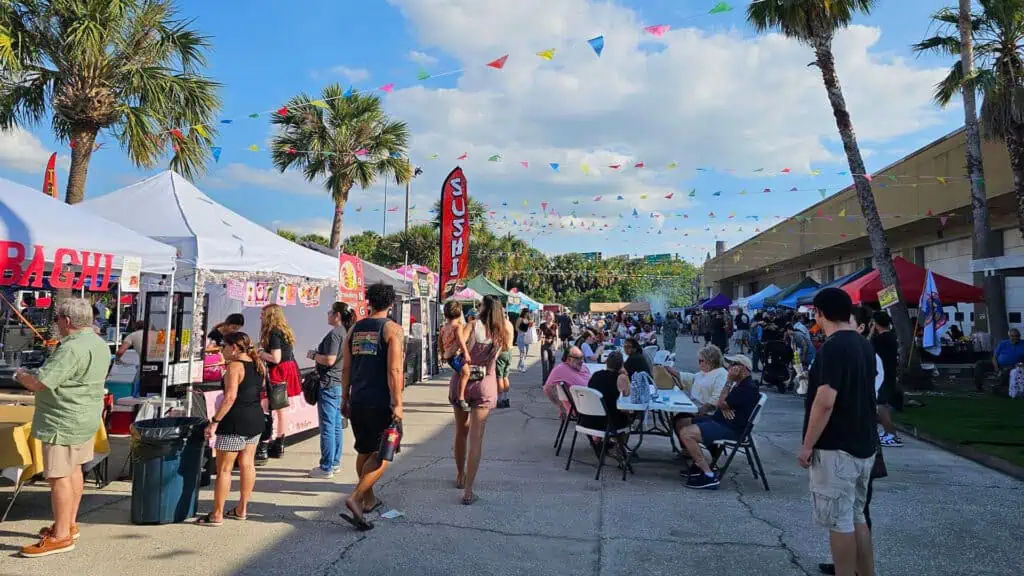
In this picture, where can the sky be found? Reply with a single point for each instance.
(709, 106)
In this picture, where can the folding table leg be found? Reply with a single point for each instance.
(14, 496)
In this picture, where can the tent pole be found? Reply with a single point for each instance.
(196, 279)
(117, 316)
(167, 345)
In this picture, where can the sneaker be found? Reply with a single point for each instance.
(891, 441)
(827, 568)
(703, 482)
(48, 546)
(321, 473)
(48, 532)
(336, 469)
(691, 472)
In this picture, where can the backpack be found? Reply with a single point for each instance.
(640, 388)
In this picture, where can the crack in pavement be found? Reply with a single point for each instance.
(781, 531)
(330, 569)
(398, 477)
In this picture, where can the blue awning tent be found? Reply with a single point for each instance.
(756, 300)
(806, 299)
(517, 301)
(792, 300)
(806, 282)
(719, 302)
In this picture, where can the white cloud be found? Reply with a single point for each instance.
(351, 74)
(321, 226)
(722, 99)
(235, 175)
(421, 58)
(20, 150)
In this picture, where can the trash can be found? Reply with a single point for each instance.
(167, 458)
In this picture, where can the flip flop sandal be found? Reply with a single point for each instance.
(470, 501)
(234, 515)
(377, 506)
(360, 524)
(208, 520)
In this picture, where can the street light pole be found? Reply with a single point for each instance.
(384, 228)
(413, 172)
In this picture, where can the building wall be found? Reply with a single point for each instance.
(1013, 246)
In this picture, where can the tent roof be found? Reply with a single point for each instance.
(29, 217)
(372, 273)
(467, 295)
(837, 283)
(793, 300)
(524, 302)
(756, 297)
(485, 287)
(718, 302)
(607, 307)
(911, 278)
(807, 282)
(168, 208)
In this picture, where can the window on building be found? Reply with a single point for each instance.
(1014, 317)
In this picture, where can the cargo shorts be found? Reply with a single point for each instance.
(839, 489)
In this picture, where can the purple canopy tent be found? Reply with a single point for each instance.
(719, 302)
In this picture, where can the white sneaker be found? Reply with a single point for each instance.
(336, 469)
(319, 473)
(891, 441)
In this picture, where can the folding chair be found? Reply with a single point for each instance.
(649, 352)
(562, 392)
(745, 443)
(588, 402)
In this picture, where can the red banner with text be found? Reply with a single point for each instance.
(351, 285)
(19, 268)
(454, 232)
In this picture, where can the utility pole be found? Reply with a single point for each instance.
(413, 172)
(384, 228)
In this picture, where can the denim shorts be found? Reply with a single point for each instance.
(712, 431)
(457, 362)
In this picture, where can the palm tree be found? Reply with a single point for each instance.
(993, 39)
(129, 67)
(815, 22)
(344, 139)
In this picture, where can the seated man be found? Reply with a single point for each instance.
(1006, 355)
(739, 397)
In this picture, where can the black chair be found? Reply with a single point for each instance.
(571, 417)
(745, 443)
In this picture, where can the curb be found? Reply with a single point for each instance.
(986, 460)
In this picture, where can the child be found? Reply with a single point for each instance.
(453, 348)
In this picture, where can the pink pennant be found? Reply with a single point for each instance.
(669, 195)
(786, 170)
(463, 157)
(867, 177)
(543, 206)
(638, 165)
(597, 198)
(524, 164)
(393, 209)
(943, 219)
(615, 166)
(177, 133)
(498, 63)
(658, 30)
(387, 88)
(362, 152)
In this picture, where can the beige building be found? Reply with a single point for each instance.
(924, 201)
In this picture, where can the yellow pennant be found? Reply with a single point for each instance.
(254, 148)
(643, 196)
(548, 54)
(586, 168)
(200, 130)
(842, 213)
(941, 179)
(319, 104)
(672, 166)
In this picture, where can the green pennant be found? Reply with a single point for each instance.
(422, 75)
(720, 8)
(254, 115)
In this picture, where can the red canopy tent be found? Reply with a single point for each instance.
(911, 278)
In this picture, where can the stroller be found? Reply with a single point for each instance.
(778, 361)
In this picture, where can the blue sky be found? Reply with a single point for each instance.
(709, 94)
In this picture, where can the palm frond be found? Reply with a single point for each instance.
(805, 19)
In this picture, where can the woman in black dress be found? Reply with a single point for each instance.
(237, 424)
(611, 383)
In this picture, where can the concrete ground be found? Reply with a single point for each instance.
(936, 514)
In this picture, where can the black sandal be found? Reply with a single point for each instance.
(208, 520)
(376, 506)
(361, 524)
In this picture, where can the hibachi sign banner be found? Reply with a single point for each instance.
(18, 270)
(454, 232)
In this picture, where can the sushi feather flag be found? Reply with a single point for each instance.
(454, 232)
(933, 319)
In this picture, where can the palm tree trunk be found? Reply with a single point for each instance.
(83, 138)
(1015, 146)
(880, 253)
(995, 302)
(339, 216)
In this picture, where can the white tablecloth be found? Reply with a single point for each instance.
(673, 401)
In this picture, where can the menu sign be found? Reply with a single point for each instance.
(18, 270)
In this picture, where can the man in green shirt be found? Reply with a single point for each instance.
(69, 404)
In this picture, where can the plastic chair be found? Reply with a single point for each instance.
(745, 443)
(571, 417)
(589, 402)
(649, 352)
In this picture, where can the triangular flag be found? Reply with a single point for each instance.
(350, 92)
(929, 213)
(494, 158)
(743, 192)
(498, 63)
(226, 121)
(597, 198)
(254, 148)
(672, 165)
(615, 166)
(177, 133)
(547, 54)
(526, 203)
(200, 130)
(643, 196)
(434, 156)
(767, 190)
(254, 115)
(943, 219)
(720, 8)
(823, 192)
(597, 43)
(842, 212)
(586, 168)
(543, 206)
(717, 193)
(554, 166)
(422, 74)
(658, 30)
(463, 157)
(759, 170)
(635, 214)
(362, 152)
(524, 163)
(786, 170)
(620, 197)
(941, 179)
(387, 88)
(283, 111)
(693, 193)
(215, 151)
(669, 195)
(319, 104)
(794, 189)
(638, 165)
(711, 214)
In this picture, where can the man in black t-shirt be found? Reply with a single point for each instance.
(839, 432)
(741, 323)
(888, 349)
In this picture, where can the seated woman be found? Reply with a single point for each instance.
(611, 382)
(572, 370)
(647, 336)
(709, 382)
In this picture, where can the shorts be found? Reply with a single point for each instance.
(234, 442)
(712, 430)
(839, 489)
(501, 365)
(740, 336)
(457, 362)
(884, 392)
(368, 426)
(59, 461)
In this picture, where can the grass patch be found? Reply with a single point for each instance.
(989, 424)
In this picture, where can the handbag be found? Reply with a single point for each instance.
(311, 387)
(878, 469)
(277, 395)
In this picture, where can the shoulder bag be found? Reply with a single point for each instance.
(277, 395)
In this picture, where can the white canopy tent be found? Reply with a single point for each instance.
(32, 218)
(216, 243)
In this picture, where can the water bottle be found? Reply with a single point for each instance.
(391, 440)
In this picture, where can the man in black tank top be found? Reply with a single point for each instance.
(371, 394)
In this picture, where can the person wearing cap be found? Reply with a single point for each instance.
(731, 413)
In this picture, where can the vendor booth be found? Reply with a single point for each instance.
(911, 278)
(807, 282)
(518, 300)
(807, 298)
(485, 287)
(718, 302)
(45, 243)
(756, 300)
(226, 264)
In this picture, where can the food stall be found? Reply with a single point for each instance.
(226, 264)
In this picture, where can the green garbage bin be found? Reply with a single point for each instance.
(167, 459)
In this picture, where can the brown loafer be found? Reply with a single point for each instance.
(48, 546)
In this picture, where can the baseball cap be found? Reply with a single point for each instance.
(739, 359)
